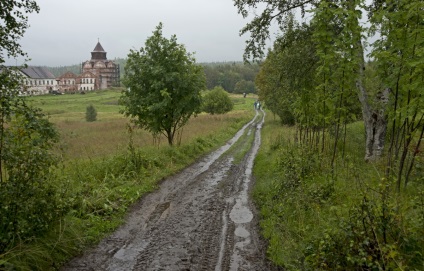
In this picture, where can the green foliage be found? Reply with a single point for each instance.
(400, 47)
(14, 22)
(217, 101)
(328, 210)
(277, 11)
(90, 113)
(233, 77)
(28, 200)
(286, 79)
(373, 236)
(164, 85)
(344, 218)
(244, 86)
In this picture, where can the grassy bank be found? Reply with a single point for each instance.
(349, 217)
(106, 168)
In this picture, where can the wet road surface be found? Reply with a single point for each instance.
(199, 219)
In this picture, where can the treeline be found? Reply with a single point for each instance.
(234, 77)
(58, 71)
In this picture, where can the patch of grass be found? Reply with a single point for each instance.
(347, 218)
(242, 146)
(72, 106)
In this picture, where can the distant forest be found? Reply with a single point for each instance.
(234, 77)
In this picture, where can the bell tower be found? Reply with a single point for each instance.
(98, 53)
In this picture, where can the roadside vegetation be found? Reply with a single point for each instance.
(349, 217)
(216, 101)
(103, 167)
(340, 187)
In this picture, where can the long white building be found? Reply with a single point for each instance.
(38, 81)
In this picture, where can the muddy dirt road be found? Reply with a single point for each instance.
(199, 219)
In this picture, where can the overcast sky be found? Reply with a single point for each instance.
(65, 32)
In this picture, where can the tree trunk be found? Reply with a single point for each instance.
(375, 119)
(170, 137)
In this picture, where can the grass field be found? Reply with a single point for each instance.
(109, 134)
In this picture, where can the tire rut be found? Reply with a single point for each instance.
(200, 219)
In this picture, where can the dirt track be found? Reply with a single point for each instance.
(199, 219)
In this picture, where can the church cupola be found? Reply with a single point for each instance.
(98, 53)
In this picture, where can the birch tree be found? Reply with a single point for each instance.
(373, 107)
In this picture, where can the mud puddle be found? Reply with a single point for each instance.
(199, 219)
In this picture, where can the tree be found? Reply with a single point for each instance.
(286, 81)
(244, 86)
(13, 24)
(163, 86)
(90, 113)
(27, 197)
(348, 13)
(217, 101)
(400, 29)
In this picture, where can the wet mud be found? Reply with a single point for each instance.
(199, 219)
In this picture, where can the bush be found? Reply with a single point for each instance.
(316, 217)
(27, 198)
(217, 101)
(91, 113)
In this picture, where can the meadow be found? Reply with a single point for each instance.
(104, 167)
(109, 134)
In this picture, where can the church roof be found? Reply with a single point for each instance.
(98, 48)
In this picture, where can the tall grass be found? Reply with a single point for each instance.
(108, 135)
(316, 217)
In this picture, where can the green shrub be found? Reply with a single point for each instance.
(217, 101)
(27, 198)
(91, 113)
